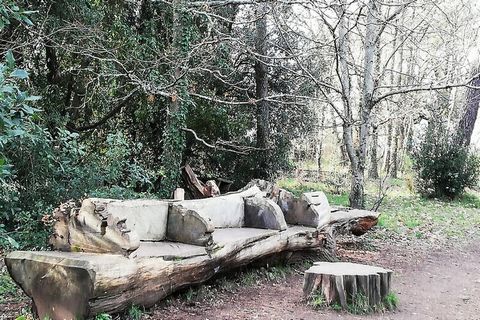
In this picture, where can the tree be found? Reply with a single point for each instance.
(174, 136)
(261, 87)
(469, 117)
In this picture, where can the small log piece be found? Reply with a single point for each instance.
(343, 282)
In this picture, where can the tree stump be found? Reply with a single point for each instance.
(344, 283)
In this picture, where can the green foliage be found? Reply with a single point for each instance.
(8, 288)
(317, 300)
(134, 313)
(444, 168)
(359, 305)
(17, 124)
(103, 316)
(297, 188)
(80, 140)
(10, 10)
(391, 301)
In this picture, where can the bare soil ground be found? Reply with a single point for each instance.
(430, 284)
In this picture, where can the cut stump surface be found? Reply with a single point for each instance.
(343, 282)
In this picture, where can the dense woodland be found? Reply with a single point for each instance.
(112, 98)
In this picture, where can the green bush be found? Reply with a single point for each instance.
(444, 168)
(40, 169)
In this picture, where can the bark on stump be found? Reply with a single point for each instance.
(343, 282)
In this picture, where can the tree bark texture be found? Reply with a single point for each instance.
(261, 77)
(373, 172)
(343, 283)
(467, 123)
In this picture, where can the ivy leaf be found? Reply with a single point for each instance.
(19, 73)
(17, 132)
(27, 21)
(33, 98)
(10, 59)
(13, 243)
(8, 89)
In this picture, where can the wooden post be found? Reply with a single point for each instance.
(179, 194)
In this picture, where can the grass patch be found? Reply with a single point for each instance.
(405, 213)
(297, 187)
(358, 305)
(390, 301)
(317, 300)
(103, 316)
(135, 313)
(8, 288)
(338, 199)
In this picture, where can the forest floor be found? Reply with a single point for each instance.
(432, 246)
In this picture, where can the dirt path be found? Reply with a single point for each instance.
(435, 285)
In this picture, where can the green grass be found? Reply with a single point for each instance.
(134, 313)
(338, 199)
(390, 301)
(359, 305)
(103, 316)
(415, 216)
(317, 300)
(8, 288)
(405, 213)
(297, 188)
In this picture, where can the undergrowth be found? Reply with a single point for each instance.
(358, 305)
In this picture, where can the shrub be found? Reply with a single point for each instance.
(444, 168)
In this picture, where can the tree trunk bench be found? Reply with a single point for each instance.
(110, 254)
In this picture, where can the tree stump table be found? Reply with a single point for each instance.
(342, 283)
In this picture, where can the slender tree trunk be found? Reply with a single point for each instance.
(394, 163)
(373, 172)
(261, 89)
(386, 166)
(357, 193)
(399, 121)
(320, 139)
(467, 123)
(357, 169)
(338, 136)
(173, 136)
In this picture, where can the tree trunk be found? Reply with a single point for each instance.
(357, 194)
(386, 166)
(373, 172)
(261, 90)
(467, 123)
(387, 163)
(399, 122)
(343, 283)
(174, 137)
(320, 139)
(394, 162)
(338, 136)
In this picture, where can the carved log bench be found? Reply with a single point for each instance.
(111, 254)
